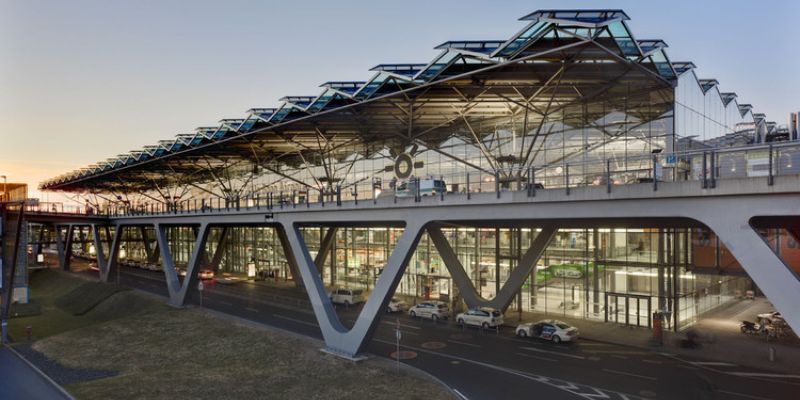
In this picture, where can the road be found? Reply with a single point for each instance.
(19, 381)
(496, 364)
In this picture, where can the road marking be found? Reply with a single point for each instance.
(536, 357)
(651, 361)
(402, 325)
(765, 375)
(555, 352)
(251, 309)
(566, 386)
(461, 395)
(463, 343)
(613, 371)
(713, 363)
(409, 333)
(742, 395)
(620, 357)
(299, 321)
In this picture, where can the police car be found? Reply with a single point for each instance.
(549, 329)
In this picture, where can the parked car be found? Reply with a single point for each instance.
(770, 317)
(485, 317)
(347, 296)
(396, 305)
(549, 329)
(434, 310)
(427, 187)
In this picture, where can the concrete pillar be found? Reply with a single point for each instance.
(178, 292)
(338, 339)
(515, 280)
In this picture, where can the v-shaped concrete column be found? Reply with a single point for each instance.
(515, 280)
(109, 265)
(337, 338)
(64, 245)
(325, 248)
(178, 292)
(773, 277)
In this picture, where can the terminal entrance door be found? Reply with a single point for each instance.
(628, 309)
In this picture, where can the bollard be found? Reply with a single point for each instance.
(771, 354)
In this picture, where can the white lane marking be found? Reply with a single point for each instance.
(568, 386)
(299, 321)
(461, 395)
(651, 361)
(743, 395)
(401, 325)
(765, 375)
(537, 357)
(463, 343)
(713, 363)
(614, 371)
(251, 309)
(555, 353)
(687, 367)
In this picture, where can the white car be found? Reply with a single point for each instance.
(770, 317)
(549, 329)
(347, 296)
(396, 305)
(434, 310)
(484, 317)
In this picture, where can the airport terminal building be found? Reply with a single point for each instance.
(570, 109)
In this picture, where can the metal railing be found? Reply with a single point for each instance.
(706, 166)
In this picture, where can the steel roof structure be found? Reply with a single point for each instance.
(560, 59)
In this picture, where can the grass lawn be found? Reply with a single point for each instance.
(167, 353)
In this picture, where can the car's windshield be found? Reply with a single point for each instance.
(441, 306)
(357, 292)
(495, 313)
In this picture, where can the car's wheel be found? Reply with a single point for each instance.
(461, 321)
(521, 333)
(485, 325)
(556, 339)
(413, 314)
(435, 318)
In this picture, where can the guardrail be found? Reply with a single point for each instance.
(706, 166)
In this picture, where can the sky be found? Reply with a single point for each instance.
(82, 81)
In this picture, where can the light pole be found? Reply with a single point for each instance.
(5, 187)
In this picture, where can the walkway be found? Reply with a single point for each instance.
(18, 380)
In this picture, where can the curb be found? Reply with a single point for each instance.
(42, 374)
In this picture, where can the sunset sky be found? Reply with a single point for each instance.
(81, 81)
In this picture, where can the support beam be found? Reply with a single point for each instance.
(325, 248)
(292, 261)
(65, 256)
(778, 282)
(338, 339)
(219, 250)
(179, 292)
(515, 281)
(107, 266)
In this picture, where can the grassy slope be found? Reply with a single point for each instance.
(166, 353)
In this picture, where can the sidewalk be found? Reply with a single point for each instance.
(720, 329)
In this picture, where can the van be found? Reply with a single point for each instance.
(347, 296)
(427, 187)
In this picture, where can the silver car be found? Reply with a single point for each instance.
(485, 317)
(434, 310)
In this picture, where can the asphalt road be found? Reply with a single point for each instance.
(19, 381)
(497, 364)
